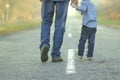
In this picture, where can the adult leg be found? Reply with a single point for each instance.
(60, 21)
(47, 13)
(47, 16)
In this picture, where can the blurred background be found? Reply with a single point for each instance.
(19, 10)
(18, 15)
(108, 12)
(23, 14)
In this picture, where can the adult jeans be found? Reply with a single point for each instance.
(48, 8)
(87, 34)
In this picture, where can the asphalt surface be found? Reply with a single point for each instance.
(20, 58)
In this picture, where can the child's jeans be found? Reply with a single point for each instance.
(87, 34)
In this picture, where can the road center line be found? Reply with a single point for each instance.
(69, 31)
(70, 62)
(69, 35)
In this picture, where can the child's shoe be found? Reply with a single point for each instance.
(78, 56)
(89, 58)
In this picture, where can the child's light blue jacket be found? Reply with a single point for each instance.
(89, 14)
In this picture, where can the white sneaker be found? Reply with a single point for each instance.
(78, 56)
(89, 58)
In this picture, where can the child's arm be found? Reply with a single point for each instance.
(82, 8)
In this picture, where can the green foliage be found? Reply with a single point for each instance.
(8, 28)
(109, 22)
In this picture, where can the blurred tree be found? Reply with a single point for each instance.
(25, 10)
(19, 10)
(109, 9)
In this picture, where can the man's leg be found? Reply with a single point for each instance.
(60, 21)
(47, 16)
(47, 13)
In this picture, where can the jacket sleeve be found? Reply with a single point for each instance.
(82, 8)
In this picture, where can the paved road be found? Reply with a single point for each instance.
(20, 59)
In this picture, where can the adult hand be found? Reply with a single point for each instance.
(40, 0)
(74, 3)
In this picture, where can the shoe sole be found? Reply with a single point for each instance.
(58, 60)
(44, 54)
(89, 58)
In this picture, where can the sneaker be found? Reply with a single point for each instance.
(80, 57)
(57, 59)
(89, 58)
(44, 53)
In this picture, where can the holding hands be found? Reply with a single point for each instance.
(74, 3)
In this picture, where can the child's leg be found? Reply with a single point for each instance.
(91, 41)
(83, 38)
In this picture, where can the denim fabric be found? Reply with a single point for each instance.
(57, 0)
(87, 34)
(89, 14)
(48, 7)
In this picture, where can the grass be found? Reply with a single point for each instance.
(109, 22)
(114, 23)
(8, 28)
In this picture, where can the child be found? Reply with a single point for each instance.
(89, 26)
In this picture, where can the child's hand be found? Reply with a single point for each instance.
(74, 3)
(74, 6)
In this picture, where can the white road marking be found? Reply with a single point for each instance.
(71, 62)
(69, 31)
(69, 35)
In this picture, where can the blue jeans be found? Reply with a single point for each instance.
(48, 7)
(87, 34)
